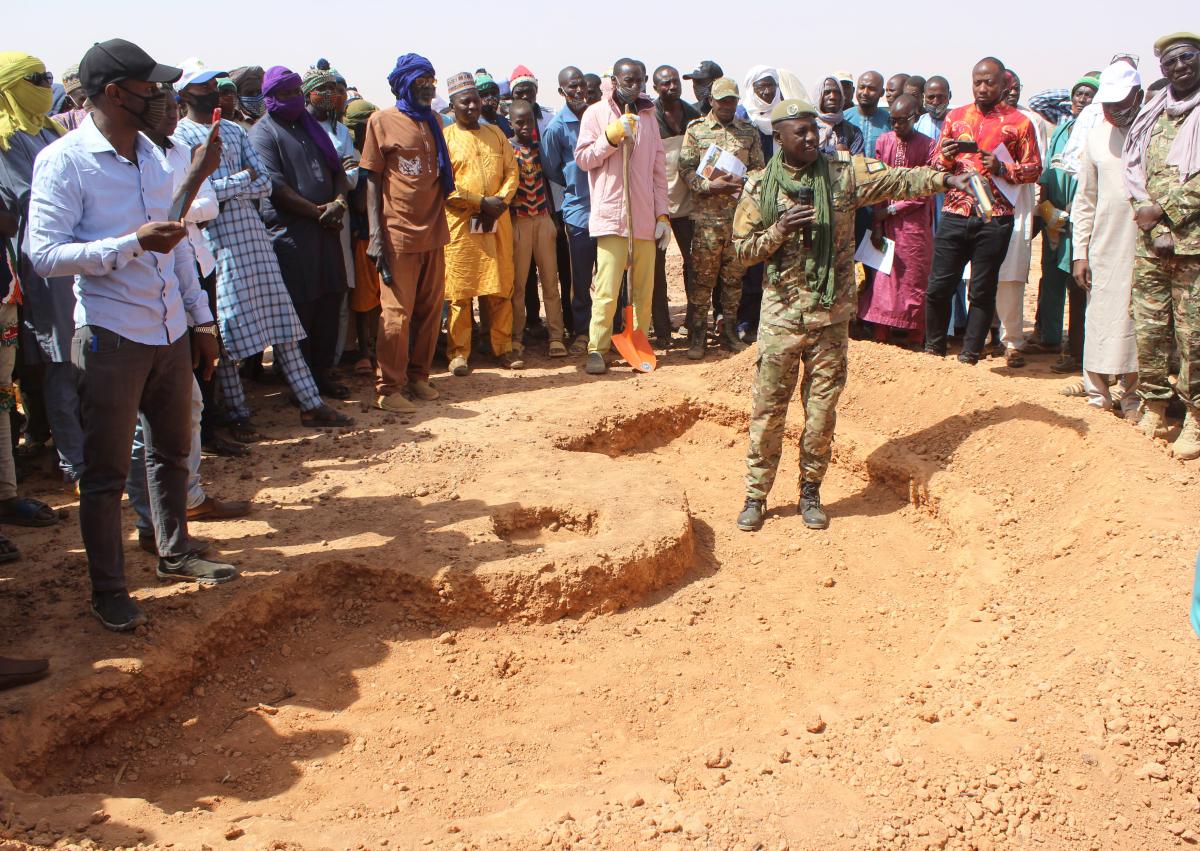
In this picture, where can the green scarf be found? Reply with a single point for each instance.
(818, 263)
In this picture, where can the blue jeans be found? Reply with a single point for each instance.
(61, 391)
(135, 483)
(583, 264)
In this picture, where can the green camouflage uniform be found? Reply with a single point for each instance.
(712, 215)
(1171, 285)
(795, 327)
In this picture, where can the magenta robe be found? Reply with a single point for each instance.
(898, 299)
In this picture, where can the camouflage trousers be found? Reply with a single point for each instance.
(1166, 290)
(821, 353)
(713, 257)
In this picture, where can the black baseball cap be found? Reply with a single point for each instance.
(117, 59)
(708, 70)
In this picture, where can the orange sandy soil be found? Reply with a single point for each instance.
(524, 618)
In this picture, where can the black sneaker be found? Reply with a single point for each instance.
(810, 506)
(193, 568)
(117, 611)
(968, 359)
(595, 364)
(751, 518)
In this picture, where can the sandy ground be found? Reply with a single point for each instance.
(524, 618)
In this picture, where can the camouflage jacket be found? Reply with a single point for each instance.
(1180, 201)
(739, 138)
(789, 303)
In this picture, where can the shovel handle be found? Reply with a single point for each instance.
(626, 144)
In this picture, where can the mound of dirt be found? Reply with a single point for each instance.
(525, 619)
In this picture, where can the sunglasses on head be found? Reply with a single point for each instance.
(42, 78)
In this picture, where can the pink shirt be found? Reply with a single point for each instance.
(602, 162)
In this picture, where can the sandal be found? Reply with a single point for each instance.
(8, 551)
(24, 511)
(557, 349)
(243, 431)
(1073, 390)
(364, 367)
(323, 417)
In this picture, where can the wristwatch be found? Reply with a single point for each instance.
(209, 328)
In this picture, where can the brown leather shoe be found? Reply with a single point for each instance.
(1014, 359)
(215, 509)
(19, 672)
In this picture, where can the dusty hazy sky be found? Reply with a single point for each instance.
(1048, 44)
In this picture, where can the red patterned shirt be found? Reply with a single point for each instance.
(1002, 124)
(531, 198)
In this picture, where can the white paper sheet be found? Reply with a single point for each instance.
(715, 159)
(869, 255)
(1007, 187)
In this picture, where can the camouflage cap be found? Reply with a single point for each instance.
(791, 108)
(723, 88)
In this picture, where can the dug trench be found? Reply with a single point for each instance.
(530, 621)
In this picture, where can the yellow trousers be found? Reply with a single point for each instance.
(458, 328)
(606, 286)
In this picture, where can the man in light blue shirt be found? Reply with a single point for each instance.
(558, 164)
(101, 210)
(868, 116)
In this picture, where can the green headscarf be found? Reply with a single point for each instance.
(818, 263)
(357, 112)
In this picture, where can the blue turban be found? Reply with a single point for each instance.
(408, 68)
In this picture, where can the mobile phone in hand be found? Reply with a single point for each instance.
(967, 146)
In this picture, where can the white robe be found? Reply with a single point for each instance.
(1020, 244)
(1104, 234)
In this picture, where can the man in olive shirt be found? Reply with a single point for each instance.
(809, 291)
(1162, 160)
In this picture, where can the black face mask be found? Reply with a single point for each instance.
(206, 102)
(154, 109)
(938, 112)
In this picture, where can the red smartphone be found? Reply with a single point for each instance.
(216, 116)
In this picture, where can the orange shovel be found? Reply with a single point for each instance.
(631, 343)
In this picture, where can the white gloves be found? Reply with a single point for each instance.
(662, 234)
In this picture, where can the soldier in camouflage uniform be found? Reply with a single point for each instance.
(714, 202)
(809, 294)
(1166, 266)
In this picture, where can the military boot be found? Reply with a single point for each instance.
(810, 506)
(697, 336)
(1187, 446)
(729, 338)
(751, 518)
(1154, 419)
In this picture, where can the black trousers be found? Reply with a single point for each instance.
(121, 378)
(660, 308)
(320, 320)
(1077, 314)
(961, 240)
(209, 419)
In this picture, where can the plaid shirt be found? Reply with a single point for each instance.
(1001, 125)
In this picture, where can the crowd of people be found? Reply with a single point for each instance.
(166, 226)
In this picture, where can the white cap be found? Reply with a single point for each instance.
(195, 72)
(1116, 82)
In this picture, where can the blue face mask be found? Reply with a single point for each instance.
(253, 105)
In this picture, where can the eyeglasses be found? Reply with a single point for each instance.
(1187, 57)
(425, 81)
(1132, 58)
(44, 78)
